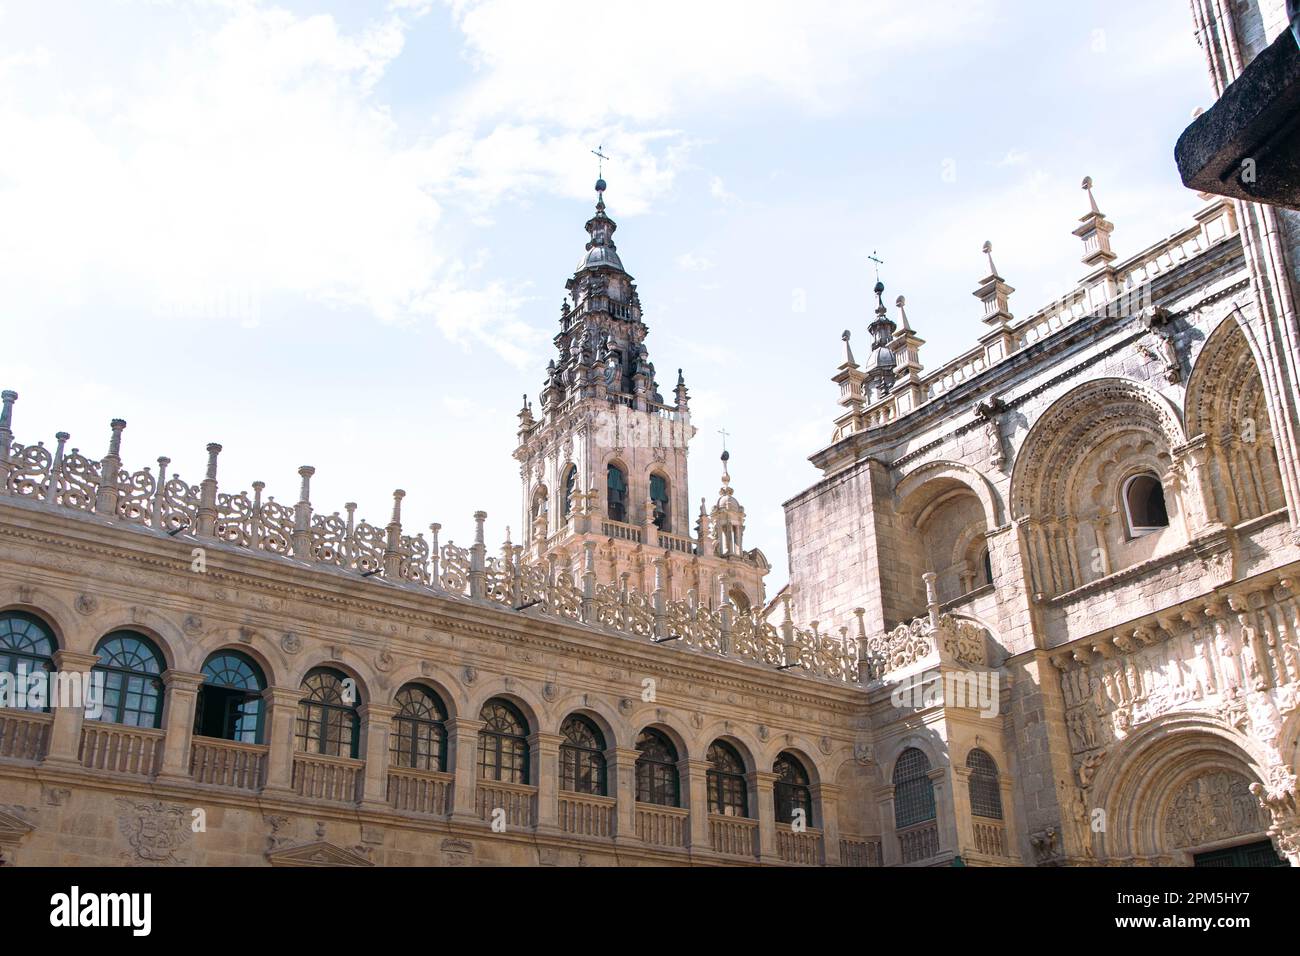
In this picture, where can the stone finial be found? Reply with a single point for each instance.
(901, 304)
(213, 451)
(987, 249)
(398, 495)
(995, 294)
(115, 441)
(8, 397)
(848, 351)
(1095, 232)
(304, 490)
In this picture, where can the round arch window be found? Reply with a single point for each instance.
(1144, 505)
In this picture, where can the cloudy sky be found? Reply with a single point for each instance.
(338, 233)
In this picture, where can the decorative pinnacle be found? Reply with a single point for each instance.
(1087, 186)
(987, 249)
(901, 303)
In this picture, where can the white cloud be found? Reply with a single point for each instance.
(692, 262)
(580, 65)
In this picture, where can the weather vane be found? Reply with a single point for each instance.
(877, 261)
(600, 166)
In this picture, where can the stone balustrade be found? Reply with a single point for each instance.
(24, 735)
(336, 779)
(228, 763)
(120, 749)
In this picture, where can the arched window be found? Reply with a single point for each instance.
(503, 743)
(133, 687)
(656, 770)
(792, 789)
(985, 794)
(582, 756)
(1144, 505)
(616, 493)
(913, 789)
(659, 495)
(728, 790)
(327, 717)
(419, 737)
(570, 487)
(26, 646)
(230, 705)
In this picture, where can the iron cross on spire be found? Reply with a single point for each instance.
(724, 433)
(600, 165)
(879, 262)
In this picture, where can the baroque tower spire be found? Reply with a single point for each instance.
(603, 468)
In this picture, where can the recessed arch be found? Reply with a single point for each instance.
(1227, 410)
(1076, 423)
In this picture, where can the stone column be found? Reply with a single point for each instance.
(462, 742)
(945, 818)
(545, 759)
(696, 788)
(376, 724)
(182, 691)
(964, 826)
(620, 764)
(281, 725)
(890, 852)
(826, 815)
(64, 748)
(762, 797)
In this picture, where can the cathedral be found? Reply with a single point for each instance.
(1042, 608)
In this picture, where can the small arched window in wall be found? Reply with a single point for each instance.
(570, 487)
(328, 723)
(986, 565)
(657, 780)
(230, 704)
(985, 794)
(133, 689)
(913, 789)
(582, 756)
(26, 646)
(419, 737)
(503, 743)
(1144, 505)
(792, 790)
(659, 495)
(616, 493)
(728, 791)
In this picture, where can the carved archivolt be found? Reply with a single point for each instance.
(1076, 424)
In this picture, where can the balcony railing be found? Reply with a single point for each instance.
(586, 814)
(515, 799)
(328, 778)
(859, 851)
(228, 763)
(661, 826)
(24, 734)
(919, 842)
(420, 791)
(990, 837)
(803, 848)
(620, 529)
(733, 836)
(675, 542)
(121, 749)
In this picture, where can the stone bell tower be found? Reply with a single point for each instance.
(603, 466)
